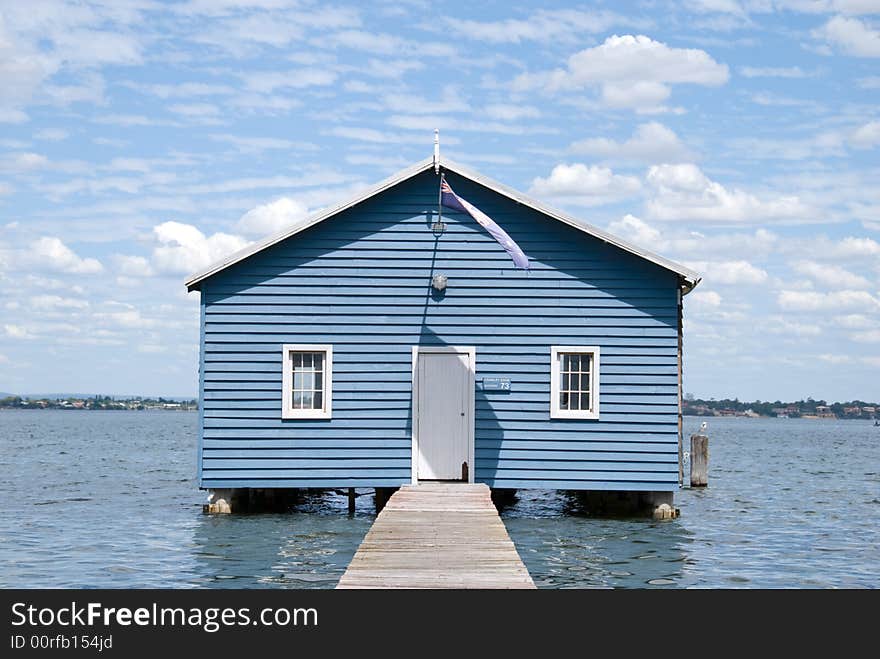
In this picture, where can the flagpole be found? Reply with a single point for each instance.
(438, 225)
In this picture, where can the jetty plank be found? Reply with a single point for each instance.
(437, 535)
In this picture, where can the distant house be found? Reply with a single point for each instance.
(372, 346)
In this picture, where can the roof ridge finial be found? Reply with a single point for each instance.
(436, 150)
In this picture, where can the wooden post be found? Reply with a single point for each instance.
(699, 460)
(382, 496)
(351, 499)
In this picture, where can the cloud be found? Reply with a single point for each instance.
(585, 185)
(703, 300)
(511, 112)
(128, 318)
(52, 254)
(651, 142)
(52, 134)
(815, 301)
(271, 218)
(850, 36)
(630, 71)
(51, 302)
(835, 359)
(683, 192)
(737, 272)
(133, 266)
(184, 249)
(427, 122)
(788, 328)
(831, 276)
(851, 247)
(636, 231)
(716, 6)
(542, 25)
(871, 336)
(258, 144)
(22, 162)
(450, 101)
(182, 89)
(17, 332)
(822, 6)
(866, 136)
(772, 72)
(385, 44)
(854, 321)
(89, 89)
(269, 81)
(195, 109)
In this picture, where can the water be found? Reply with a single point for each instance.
(108, 499)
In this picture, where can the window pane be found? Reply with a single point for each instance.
(575, 382)
(307, 383)
(585, 401)
(565, 363)
(586, 363)
(566, 379)
(575, 362)
(563, 401)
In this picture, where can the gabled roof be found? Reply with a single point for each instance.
(689, 278)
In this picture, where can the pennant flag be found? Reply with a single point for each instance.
(451, 200)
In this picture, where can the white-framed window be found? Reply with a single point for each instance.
(306, 381)
(574, 382)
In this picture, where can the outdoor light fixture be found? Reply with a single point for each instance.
(438, 282)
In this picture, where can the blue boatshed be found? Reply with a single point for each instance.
(380, 343)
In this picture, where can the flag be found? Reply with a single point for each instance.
(449, 199)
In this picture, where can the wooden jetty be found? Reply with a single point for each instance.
(437, 535)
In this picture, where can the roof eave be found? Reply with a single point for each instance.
(689, 278)
(194, 280)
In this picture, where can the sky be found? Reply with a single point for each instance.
(141, 141)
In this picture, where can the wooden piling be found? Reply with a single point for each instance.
(699, 460)
(351, 500)
(382, 496)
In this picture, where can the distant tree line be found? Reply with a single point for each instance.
(805, 407)
(98, 402)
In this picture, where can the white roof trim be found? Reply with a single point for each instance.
(691, 278)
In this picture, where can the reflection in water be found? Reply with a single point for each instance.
(562, 547)
(309, 547)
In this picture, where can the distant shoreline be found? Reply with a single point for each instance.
(35, 408)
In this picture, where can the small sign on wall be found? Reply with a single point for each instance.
(496, 384)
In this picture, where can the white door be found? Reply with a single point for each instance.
(444, 407)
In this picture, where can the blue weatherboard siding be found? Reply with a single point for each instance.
(361, 282)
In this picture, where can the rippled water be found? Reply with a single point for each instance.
(108, 499)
